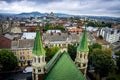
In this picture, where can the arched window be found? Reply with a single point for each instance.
(39, 70)
(80, 55)
(84, 56)
(39, 59)
(84, 64)
(79, 65)
(43, 59)
(33, 70)
(35, 59)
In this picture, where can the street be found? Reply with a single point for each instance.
(18, 76)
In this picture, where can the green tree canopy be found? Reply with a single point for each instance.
(102, 63)
(108, 51)
(7, 60)
(96, 45)
(72, 51)
(50, 52)
(118, 60)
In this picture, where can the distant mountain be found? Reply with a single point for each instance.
(38, 14)
(42, 14)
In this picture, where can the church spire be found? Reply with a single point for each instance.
(38, 47)
(83, 45)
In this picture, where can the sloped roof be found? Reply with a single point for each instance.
(63, 68)
(83, 45)
(38, 47)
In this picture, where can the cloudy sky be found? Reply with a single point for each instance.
(76, 7)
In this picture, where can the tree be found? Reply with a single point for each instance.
(72, 51)
(50, 52)
(118, 60)
(102, 63)
(7, 60)
(96, 45)
(108, 51)
(91, 24)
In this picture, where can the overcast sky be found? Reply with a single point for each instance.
(76, 7)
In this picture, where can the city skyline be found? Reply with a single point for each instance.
(74, 7)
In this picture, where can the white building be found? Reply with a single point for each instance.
(109, 34)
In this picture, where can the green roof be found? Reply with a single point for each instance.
(50, 64)
(64, 69)
(83, 45)
(38, 47)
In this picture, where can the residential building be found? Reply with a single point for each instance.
(5, 43)
(24, 56)
(109, 34)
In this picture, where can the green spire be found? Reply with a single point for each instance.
(38, 47)
(83, 45)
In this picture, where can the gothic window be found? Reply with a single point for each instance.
(80, 55)
(28, 56)
(43, 59)
(35, 59)
(39, 70)
(84, 64)
(84, 56)
(39, 59)
(33, 70)
(79, 65)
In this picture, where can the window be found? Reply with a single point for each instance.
(43, 59)
(39, 59)
(118, 31)
(84, 64)
(79, 65)
(34, 70)
(39, 70)
(112, 32)
(22, 57)
(28, 56)
(80, 55)
(84, 56)
(34, 59)
(20, 53)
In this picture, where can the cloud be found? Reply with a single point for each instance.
(78, 7)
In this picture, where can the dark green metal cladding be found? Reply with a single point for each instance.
(83, 45)
(38, 47)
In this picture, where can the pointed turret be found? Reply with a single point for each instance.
(83, 45)
(81, 59)
(39, 62)
(38, 47)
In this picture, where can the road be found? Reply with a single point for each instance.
(18, 76)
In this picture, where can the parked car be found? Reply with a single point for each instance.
(27, 70)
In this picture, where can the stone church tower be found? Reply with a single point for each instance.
(81, 59)
(38, 58)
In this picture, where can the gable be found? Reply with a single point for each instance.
(64, 69)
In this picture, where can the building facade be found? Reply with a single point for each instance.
(109, 34)
(5, 43)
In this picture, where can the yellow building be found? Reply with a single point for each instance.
(24, 56)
